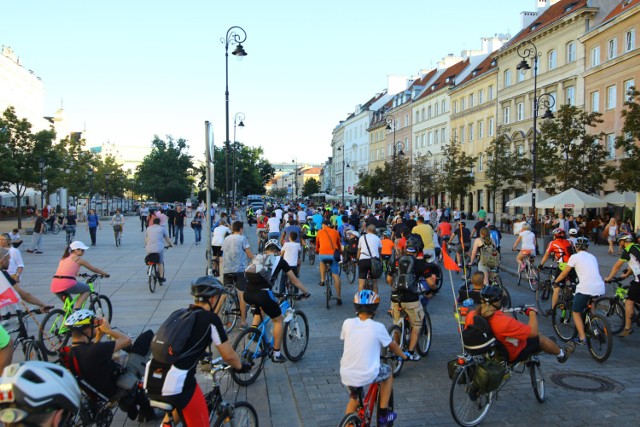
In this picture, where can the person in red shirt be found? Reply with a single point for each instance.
(519, 340)
(561, 249)
(327, 241)
(444, 230)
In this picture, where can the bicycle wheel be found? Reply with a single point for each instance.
(33, 351)
(250, 348)
(244, 415)
(49, 335)
(424, 339)
(468, 405)
(396, 335)
(261, 246)
(537, 380)
(522, 273)
(102, 307)
(562, 321)
(350, 271)
(304, 253)
(506, 297)
(438, 272)
(543, 297)
(328, 286)
(153, 277)
(229, 312)
(351, 420)
(599, 337)
(312, 257)
(613, 311)
(532, 278)
(296, 336)
(55, 229)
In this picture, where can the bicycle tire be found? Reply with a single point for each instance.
(613, 310)
(295, 338)
(562, 321)
(261, 244)
(506, 298)
(537, 380)
(251, 348)
(396, 335)
(543, 298)
(49, 336)
(465, 410)
(303, 254)
(424, 339)
(152, 272)
(350, 271)
(33, 351)
(102, 307)
(439, 276)
(521, 273)
(55, 229)
(351, 420)
(230, 312)
(244, 415)
(533, 279)
(328, 285)
(599, 339)
(312, 257)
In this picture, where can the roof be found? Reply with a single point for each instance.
(488, 64)
(312, 171)
(442, 81)
(621, 8)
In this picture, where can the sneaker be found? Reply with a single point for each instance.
(390, 417)
(29, 251)
(568, 349)
(37, 252)
(305, 296)
(162, 280)
(578, 341)
(625, 333)
(321, 283)
(413, 357)
(339, 301)
(278, 359)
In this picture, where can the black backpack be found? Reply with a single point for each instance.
(406, 278)
(478, 338)
(168, 344)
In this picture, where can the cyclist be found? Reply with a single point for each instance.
(176, 384)
(360, 363)
(64, 281)
(496, 236)
(235, 252)
(573, 236)
(519, 340)
(70, 223)
(309, 232)
(590, 283)
(217, 239)
(444, 230)
(369, 247)
(473, 293)
(630, 255)
(425, 231)
(155, 239)
(463, 235)
(117, 221)
(528, 248)
(38, 394)
(483, 240)
(261, 225)
(561, 249)
(260, 296)
(273, 225)
(327, 241)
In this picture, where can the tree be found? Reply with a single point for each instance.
(278, 193)
(310, 187)
(21, 149)
(504, 168)
(627, 176)
(373, 184)
(456, 171)
(425, 178)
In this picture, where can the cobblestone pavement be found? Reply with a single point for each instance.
(309, 393)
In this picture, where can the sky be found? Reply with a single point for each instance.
(127, 70)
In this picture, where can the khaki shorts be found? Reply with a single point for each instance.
(413, 309)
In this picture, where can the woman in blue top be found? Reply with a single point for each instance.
(93, 222)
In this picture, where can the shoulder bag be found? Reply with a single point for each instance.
(376, 262)
(336, 252)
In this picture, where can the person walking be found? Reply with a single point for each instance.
(610, 233)
(144, 213)
(38, 231)
(196, 224)
(179, 218)
(93, 222)
(171, 215)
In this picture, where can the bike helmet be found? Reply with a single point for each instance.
(353, 233)
(205, 287)
(386, 233)
(491, 294)
(582, 243)
(366, 301)
(413, 245)
(36, 387)
(272, 242)
(573, 232)
(558, 233)
(624, 236)
(80, 319)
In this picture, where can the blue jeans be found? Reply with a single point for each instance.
(198, 231)
(178, 230)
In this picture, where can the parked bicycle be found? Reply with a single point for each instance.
(613, 307)
(29, 345)
(52, 333)
(400, 333)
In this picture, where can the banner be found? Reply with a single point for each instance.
(7, 295)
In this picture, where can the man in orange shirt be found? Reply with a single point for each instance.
(327, 241)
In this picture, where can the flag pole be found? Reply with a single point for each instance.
(450, 265)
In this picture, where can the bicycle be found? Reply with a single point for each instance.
(596, 326)
(613, 307)
(400, 333)
(30, 347)
(363, 415)
(152, 270)
(496, 280)
(70, 232)
(529, 272)
(349, 268)
(469, 403)
(253, 344)
(221, 412)
(228, 308)
(311, 252)
(52, 333)
(329, 290)
(117, 234)
(53, 228)
(262, 240)
(544, 292)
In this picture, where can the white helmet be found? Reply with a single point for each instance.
(573, 232)
(272, 242)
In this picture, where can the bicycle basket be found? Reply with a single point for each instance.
(488, 375)
(153, 258)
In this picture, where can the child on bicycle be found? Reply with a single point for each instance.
(360, 363)
(477, 283)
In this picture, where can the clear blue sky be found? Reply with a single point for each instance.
(131, 69)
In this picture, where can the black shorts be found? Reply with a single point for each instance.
(532, 347)
(634, 291)
(265, 300)
(364, 267)
(216, 250)
(236, 279)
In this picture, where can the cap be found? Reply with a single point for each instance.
(77, 244)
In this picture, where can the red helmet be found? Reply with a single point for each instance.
(558, 233)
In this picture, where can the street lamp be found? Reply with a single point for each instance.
(41, 164)
(238, 120)
(90, 173)
(545, 100)
(236, 38)
(345, 163)
(106, 190)
(295, 177)
(397, 151)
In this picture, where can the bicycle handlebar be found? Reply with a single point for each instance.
(518, 309)
(617, 280)
(21, 313)
(93, 276)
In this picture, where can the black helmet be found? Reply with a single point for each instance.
(414, 244)
(491, 294)
(205, 287)
(582, 243)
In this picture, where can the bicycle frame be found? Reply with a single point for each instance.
(366, 407)
(69, 303)
(286, 309)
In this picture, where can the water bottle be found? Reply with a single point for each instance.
(288, 315)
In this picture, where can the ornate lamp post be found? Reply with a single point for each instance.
(238, 120)
(41, 165)
(295, 178)
(397, 151)
(235, 35)
(345, 163)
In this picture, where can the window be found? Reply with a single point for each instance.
(507, 78)
(461, 134)
(471, 132)
(444, 106)
(570, 93)
(443, 134)
(571, 52)
(430, 138)
(505, 115)
(480, 162)
(436, 109)
(520, 111)
(490, 94)
(462, 104)
(612, 48)
(628, 84)
(423, 116)
(520, 150)
(551, 60)
(429, 111)
(629, 40)
(455, 107)
(455, 135)
(611, 146)
(437, 136)
(480, 96)
(595, 56)
(490, 127)
(471, 100)
(480, 129)
(555, 104)
(406, 120)
(611, 97)
(595, 102)
(417, 116)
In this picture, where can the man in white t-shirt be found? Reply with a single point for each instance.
(590, 283)
(369, 246)
(273, 225)
(217, 237)
(302, 216)
(278, 212)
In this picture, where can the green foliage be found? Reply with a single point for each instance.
(456, 170)
(278, 193)
(627, 175)
(503, 167)
(373, 184)
(425, 178)
(310, 187)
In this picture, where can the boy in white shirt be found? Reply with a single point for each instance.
(291, 254)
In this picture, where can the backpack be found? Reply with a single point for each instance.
(478, 337)
(495, 237)
(262, 268)
(489, 256)
(406, 278)
(352, 245)
(168, 344)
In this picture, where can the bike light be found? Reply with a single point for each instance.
(461, 361)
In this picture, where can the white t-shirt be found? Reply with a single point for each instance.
(278, 213)
(218, 235)
(302, 216)
(528, 240)
(273, 224)
(586, 266)
(360, 362)
(374, 244)
(291, 251)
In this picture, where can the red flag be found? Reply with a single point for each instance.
(449, 263)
